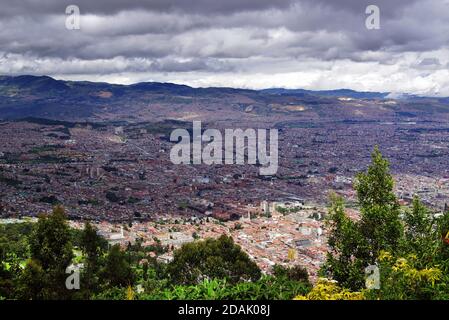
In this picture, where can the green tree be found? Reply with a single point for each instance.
(93, 247)
(354, 245)
(51, 249)
(92, 244)
(295, 273)
(32, 282)
(380, 224)
(421, 234)
(117, 271)
(375, 186)
(443, 241)
(6, 281)
(344, 242)
(212, 258)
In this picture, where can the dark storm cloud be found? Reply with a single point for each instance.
(113, 6)
(219, 37)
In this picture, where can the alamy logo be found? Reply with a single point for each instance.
(238, 142)
(372, 280)
(72, 21)
(372, 22)
(72, 282)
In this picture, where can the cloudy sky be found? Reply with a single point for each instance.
(312, 44)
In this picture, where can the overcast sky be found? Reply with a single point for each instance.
(312, 44)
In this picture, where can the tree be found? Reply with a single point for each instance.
(355, 245)
(93, 247)
(51, 249)
(421, 234)
(375, 186)
(443, 240)
(295, 273)
(32, 282)
(344, 242)
(6, 281)
(418, 224)
(380, 223)
(92, 244)
(212, 258)
(117, 270)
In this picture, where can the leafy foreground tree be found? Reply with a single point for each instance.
(409, 252)
(380, 225)
(33, 284)
(14, 250)
(93, 247)
(6, 281)
(344, 240)
(421, 235)
(354, 245)
(117, 271)
(212, 259)
(51, 253)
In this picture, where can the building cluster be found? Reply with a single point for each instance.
(125, 173)
(295, 238)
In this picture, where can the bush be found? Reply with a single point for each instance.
(267, 288)
(327, 289)
(295, 273)
(211, 259)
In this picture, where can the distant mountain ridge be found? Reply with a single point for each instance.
(330, 93)
(48, 83)
(45, 97)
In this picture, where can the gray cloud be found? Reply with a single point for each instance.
(12, 7)
(207, 42)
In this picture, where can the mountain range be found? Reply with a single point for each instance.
(45, 97)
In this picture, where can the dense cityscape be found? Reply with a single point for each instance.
(122, 175)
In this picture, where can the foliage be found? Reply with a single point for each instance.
(344, 239)
(6, 281)
(421, 234)
(111, 293)
(51, 251)
(93, 247)
(92, 244)
(401, 279)
(117, 270)
(32, 284)
(266, 288)
(327, 289)
(380, 225)
(295, 273)
(129, 293)
(407, 247)
(14, 239)
(354, 245)
(211, 258)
